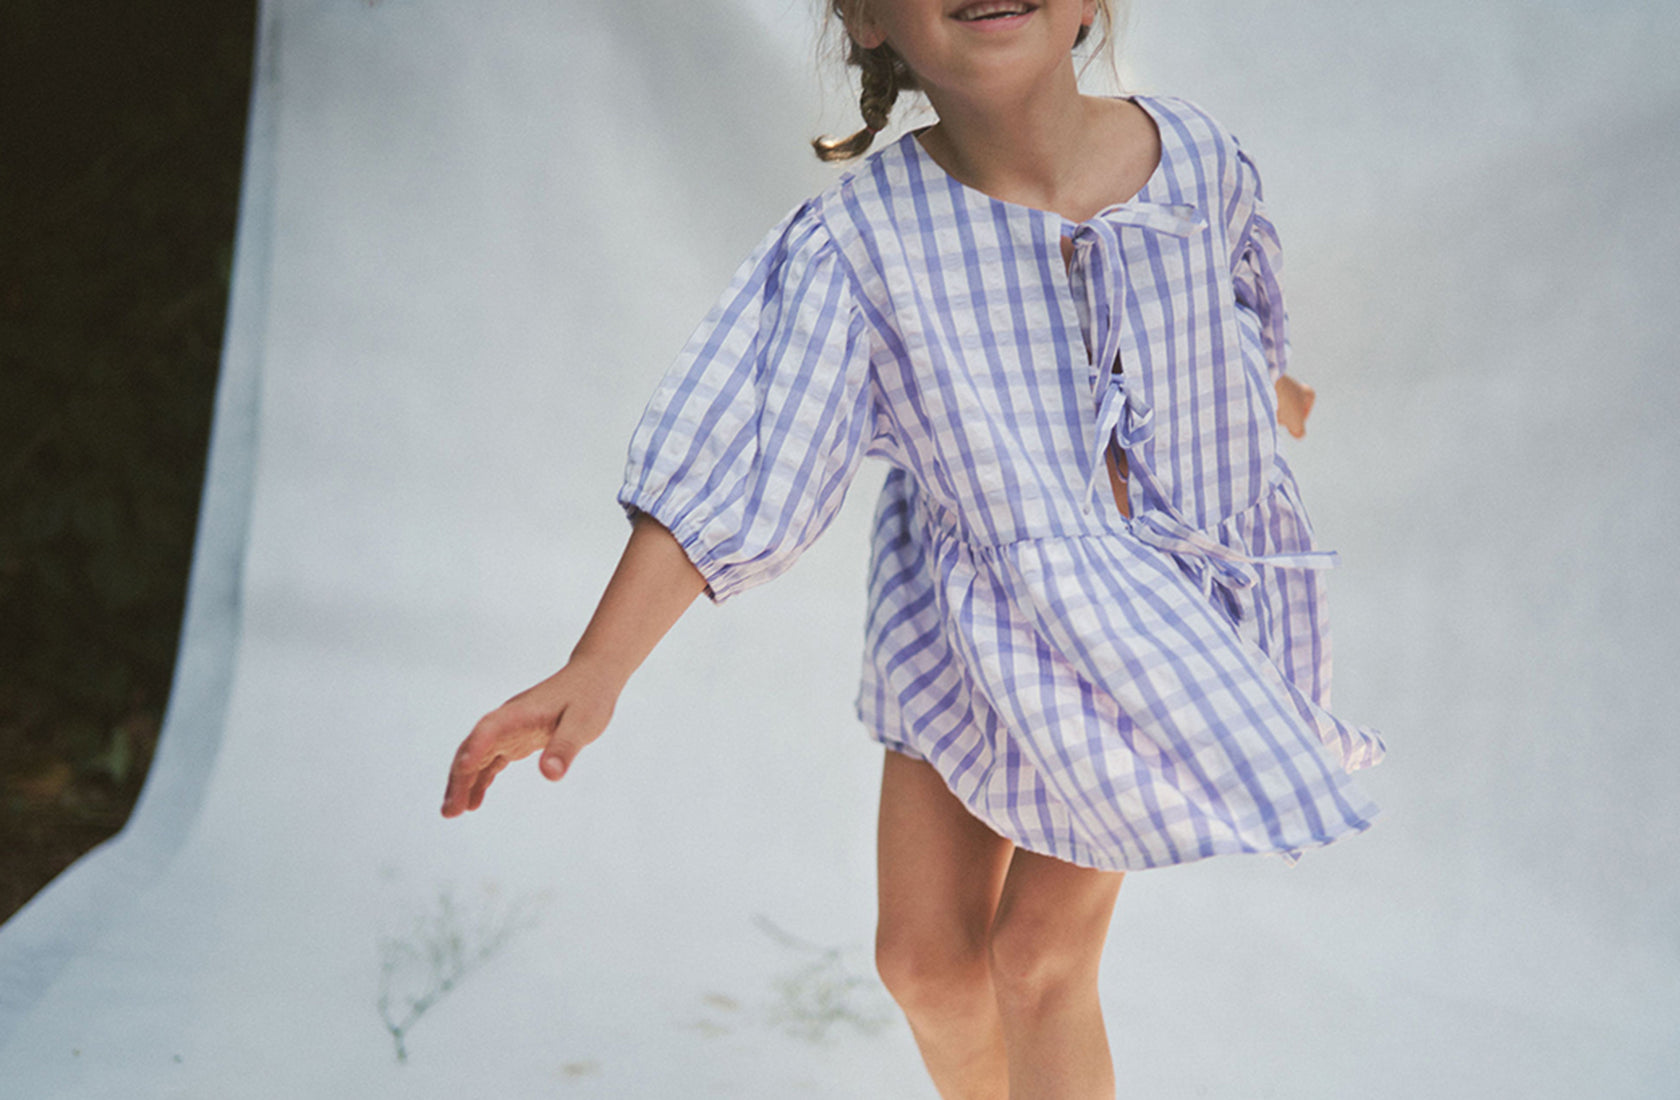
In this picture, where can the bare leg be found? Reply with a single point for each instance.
(941, 873)
(1046, 944)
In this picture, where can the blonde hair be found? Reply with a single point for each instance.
(883, 75)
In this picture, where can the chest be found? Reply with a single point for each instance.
(1097, 297)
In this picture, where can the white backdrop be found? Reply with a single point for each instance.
(473, 236)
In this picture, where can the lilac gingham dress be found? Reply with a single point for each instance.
(1120, 693)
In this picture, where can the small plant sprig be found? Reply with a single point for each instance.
(418, 970)
(824, 992)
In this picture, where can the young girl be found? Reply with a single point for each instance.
(1096, 635)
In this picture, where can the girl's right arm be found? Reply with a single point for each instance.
(649, 591)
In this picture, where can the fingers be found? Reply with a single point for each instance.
(455, 802)
(476, 763)
(482, 783)
(559, 724)
(492, 746)
(462, 774)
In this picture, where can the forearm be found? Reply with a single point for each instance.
(650, 589)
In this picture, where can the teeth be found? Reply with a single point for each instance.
(989, 8)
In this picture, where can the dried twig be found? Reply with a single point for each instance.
(824, 992)
(416, 971)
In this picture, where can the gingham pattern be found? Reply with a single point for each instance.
(1120, 693)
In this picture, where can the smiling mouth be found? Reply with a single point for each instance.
(986, 10)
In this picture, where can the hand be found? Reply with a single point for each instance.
(1294, 404)
(557, 717)
(648, 591)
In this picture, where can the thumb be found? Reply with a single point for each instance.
(580, 722)
(558, 755)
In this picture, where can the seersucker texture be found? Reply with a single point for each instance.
(1119, 692)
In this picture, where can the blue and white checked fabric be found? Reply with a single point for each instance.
(1118, 692)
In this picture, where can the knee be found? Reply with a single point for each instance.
(931, 976)
(1035, 962)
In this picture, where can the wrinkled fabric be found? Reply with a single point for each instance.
(1119, 692)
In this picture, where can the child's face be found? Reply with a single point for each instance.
(973, 47)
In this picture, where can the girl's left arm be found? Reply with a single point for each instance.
(1255, 266)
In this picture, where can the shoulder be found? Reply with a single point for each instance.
(822, 222)
(800, 238)
(867, 191)
(1207, 139)
(812, 255)
(1226, 167)
(1192, 125)
(858, 220)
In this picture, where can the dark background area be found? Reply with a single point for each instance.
(121, 136)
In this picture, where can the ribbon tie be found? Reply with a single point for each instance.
(1214, 563)
(1097, 262)
(1122, 417)
(1097, 259)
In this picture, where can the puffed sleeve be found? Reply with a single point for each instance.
(1257, 260)
(747, 447)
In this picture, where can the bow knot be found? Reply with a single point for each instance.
(1098, 261)
(1214, 564)
(1122, 417)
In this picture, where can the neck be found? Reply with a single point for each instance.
(1027, 146)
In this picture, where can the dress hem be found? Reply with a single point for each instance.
(1083, 857)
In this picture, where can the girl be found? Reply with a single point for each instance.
(1096, 637)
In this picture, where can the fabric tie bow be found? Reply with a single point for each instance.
(1214, 563)
(1124, 417)
(1097, 264)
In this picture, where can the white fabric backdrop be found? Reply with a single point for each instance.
(472, 238)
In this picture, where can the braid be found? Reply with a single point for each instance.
(884, 76)
(880, 72)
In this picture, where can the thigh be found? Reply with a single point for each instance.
(1054, 912)
(940, 869)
